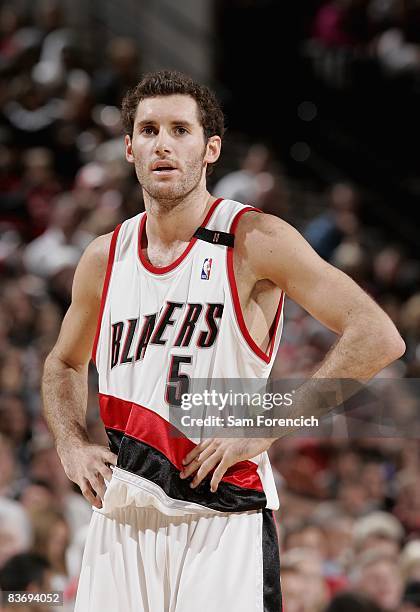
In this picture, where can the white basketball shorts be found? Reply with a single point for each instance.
(139, 559)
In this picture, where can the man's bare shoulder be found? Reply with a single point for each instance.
(97, 252)
(272, 248)
(256, 230)
(90, 273)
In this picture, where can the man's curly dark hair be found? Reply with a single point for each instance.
(168, 83)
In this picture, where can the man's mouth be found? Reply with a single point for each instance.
(164, 169)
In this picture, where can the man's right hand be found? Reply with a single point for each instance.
(88, 465)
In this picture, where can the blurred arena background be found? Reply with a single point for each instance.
(322, 103)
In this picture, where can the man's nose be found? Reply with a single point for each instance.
(162, 144)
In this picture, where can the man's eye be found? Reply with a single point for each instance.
(180, 130)
(147, 130)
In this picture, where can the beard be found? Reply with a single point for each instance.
(170, 193)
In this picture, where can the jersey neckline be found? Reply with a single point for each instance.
(164, 269)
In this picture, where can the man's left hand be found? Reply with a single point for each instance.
(220, 454)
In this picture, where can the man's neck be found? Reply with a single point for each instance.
(177, 222)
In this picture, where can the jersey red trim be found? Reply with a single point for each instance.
(164, 269)
(275, 326)
(110, 263)
(149, 427)
(265, 356)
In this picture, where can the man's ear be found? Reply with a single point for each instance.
(128, 149)
(213, 148)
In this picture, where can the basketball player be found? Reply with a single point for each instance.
(193, 287)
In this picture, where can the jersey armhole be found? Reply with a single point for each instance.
(110, 263)
(265, 356)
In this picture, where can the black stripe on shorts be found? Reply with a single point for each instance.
(271, 564)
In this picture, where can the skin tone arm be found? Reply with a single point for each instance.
(368, 341)
(64, 384)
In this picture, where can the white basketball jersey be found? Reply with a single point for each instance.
(178, 322)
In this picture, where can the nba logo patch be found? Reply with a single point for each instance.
(205, 270)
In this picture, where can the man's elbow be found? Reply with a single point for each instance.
(393, 346)
(51, 362)
(401, 348)
(55, 364)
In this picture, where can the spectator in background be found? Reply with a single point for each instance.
(347, 466)
(39, 186)
(90, 185)
(292, 588)
(379, 531)
(256, 183)
(15, 424)
(307, 535)
(407, 507)
(351, 500)
(104, 184)
(337, 528)
(374, 478)
(243, 185)
(46, 466)
(9, 24)
(121, 73)
(396, 54)
(397, 43)
(341, 23)
(26, 573)
(99, 189)
(15, 529)
(59, 60)
(352, 602)
(37, 496)
(307, 568)
(12, 370)
(30, 113)
(47, 325)
(78, 102)
(377, 575)
(49, 16)
(51, 539)
(11, 477)
(411, 598)
(17, 306)
(410, 561)
(9, 472)
(391, 271)
(63, 237)
(353, 259)
(326, 231)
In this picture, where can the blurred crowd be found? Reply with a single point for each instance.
(387, 31)
(349, 521)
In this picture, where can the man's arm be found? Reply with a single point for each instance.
(64, 384)
(368, 340)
